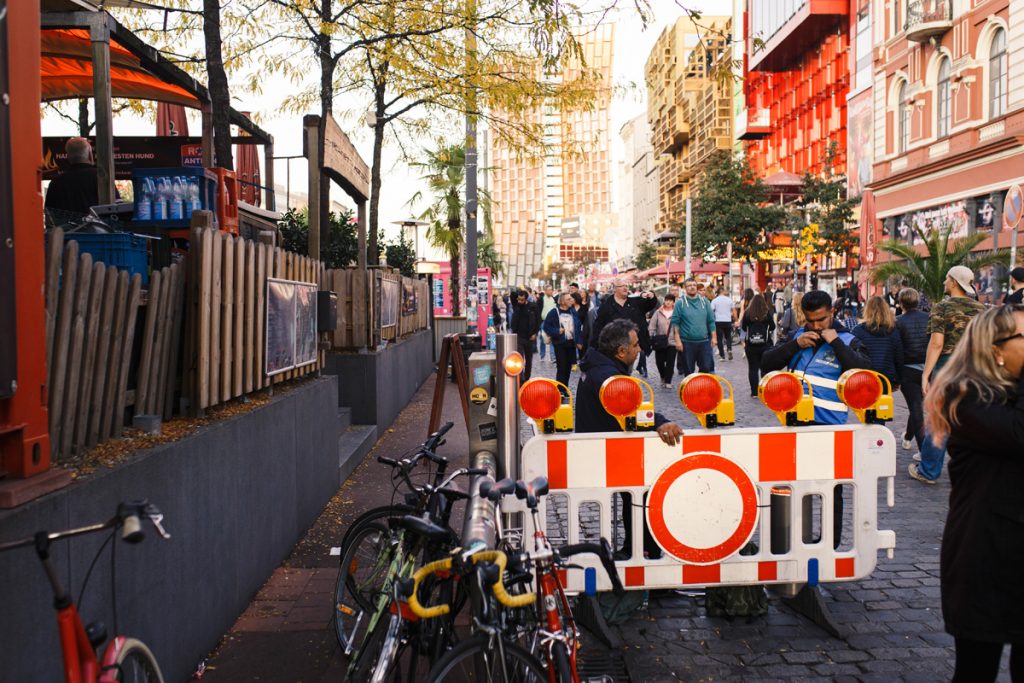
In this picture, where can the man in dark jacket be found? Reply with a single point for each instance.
(821, 351)
(913, 329)
(1016, 295)
(620, 306)
(614, 354)
(76, 189)
(524, 323)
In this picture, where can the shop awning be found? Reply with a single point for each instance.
(677, 268)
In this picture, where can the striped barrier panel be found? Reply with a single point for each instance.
(708, 497)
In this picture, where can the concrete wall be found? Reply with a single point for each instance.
(237, 495)
(378, 385)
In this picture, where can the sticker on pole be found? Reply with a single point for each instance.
(1013, 207)
(702, 508)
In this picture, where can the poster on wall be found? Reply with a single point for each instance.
(859, 140)
(915, 226)
(389, 299)
(984, 213)
(291, 325)
(410, 300)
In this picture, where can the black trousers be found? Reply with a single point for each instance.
(665, 359)
(754, 353)
(911, 389)
(565, 356)
(526, 350)
(724, 333)
(978, 661)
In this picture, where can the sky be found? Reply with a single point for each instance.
(633, 43)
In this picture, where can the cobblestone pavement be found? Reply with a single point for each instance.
(892, 621)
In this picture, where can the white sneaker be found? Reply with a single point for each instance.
(916, 457)
(907, 443)
(668, 385)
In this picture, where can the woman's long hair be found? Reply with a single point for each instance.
(799, 319)
(878, 317)
(757, 310)
(971, 368)
(748, 294)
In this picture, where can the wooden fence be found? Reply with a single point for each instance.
(91, 314)
(367, 300)
(227, 314)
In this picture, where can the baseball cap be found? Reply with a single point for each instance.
(964, 277)
(1017, 274)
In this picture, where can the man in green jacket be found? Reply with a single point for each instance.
(695, 321)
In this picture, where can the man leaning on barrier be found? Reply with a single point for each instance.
(616, 350)
(820, 351)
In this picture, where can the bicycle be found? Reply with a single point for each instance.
(392, 628)
(124, 659)
(363, 554)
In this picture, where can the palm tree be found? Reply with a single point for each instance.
(445, 170)
(927, 273)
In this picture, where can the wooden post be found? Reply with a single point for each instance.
(311, 142)
(99, 34)
(207, 118)
(268, 177)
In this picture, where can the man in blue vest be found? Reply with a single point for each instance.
(820, 352)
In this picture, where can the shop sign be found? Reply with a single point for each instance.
(129, 153)
(910, 227)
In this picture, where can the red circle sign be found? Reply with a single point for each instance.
(711, 500)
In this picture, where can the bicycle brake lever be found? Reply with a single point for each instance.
(156, 519)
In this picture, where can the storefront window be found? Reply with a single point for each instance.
(903, 118)
(942, 100)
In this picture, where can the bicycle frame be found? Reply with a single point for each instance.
(552, 597)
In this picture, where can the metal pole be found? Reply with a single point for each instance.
(471, 188)
(1013, 248)
(507, 393)
(479, 530)
(688, 238)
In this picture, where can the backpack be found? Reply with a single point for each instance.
(757, 333)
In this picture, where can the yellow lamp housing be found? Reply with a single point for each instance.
(645, 413)
(868, 394)
(548, 403)
(787, 395)
(623, 397)
(702, 395)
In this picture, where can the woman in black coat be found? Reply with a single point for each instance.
(881, 340)
(977, 400)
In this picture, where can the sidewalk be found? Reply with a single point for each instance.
(287, 633)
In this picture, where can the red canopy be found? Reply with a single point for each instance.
(678, 268)
(66, 70)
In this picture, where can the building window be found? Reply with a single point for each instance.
(997, 75)
(942, 101)
(903, 119)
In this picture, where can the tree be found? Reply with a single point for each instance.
(646, 256)
(827, 205)
(220, 96)
(927, 272)
(338, 248)
(401, 255)
(731, 205)
(486, 253)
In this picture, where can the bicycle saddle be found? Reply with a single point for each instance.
(493, 491)
(420, 527)
(532, 492)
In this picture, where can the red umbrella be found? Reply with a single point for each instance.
(171, 120)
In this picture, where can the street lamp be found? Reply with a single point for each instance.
(415, 225)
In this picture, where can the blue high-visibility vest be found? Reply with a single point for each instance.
(820, 367)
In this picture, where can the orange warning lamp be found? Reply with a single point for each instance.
(513, 364)
(623, 397)
(868, 393)
(784, 394)
(702, 395)
(548, 403)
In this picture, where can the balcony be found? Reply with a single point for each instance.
(928, 19)
(753, 127)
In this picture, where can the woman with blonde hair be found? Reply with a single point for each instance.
(977, 401)
(881, 340)
(792, 320)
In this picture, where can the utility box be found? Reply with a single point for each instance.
(483, 406)
(326, 311)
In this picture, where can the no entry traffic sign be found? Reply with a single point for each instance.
(1013, 207)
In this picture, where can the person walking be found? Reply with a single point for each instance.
(976, 406)
(723, 309)
(757, 324)
(1016, 295)
(562, 326)
(524, 324)
(881, 340)
(619, 305)
(946, 324)
(545, 304)
(913, 329)
(663, 339)
(695, 326)
(792, 319)
(579, 299)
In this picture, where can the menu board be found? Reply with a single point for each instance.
(390, 292)
(291, 325)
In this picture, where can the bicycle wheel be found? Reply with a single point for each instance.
(364, 569)
(562, 664)
(136, 664)
(483, 658)
(377, 653)
(377, 514)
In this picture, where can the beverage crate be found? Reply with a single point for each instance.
(122, 250)
(156, 191)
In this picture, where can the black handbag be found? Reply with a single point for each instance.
(659, 342)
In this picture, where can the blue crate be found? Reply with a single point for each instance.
(207, 194)
(119, 249)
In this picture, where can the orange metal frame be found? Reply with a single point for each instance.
(24, 436)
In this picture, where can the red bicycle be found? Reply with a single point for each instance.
(124, 659)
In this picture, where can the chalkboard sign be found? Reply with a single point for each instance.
(291, 325)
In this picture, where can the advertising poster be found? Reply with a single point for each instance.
(410, 300)
(130, 152)
(389, 299)
(291, 325)
(305, 324)
(858, 151)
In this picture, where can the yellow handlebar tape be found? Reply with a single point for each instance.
(422, 573)
(499, 558)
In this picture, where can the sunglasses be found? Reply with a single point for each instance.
(1010, 338)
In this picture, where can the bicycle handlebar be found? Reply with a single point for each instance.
(498, 587)
(434, 440)
(127, 517)
(603, 550)
(422, 573)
